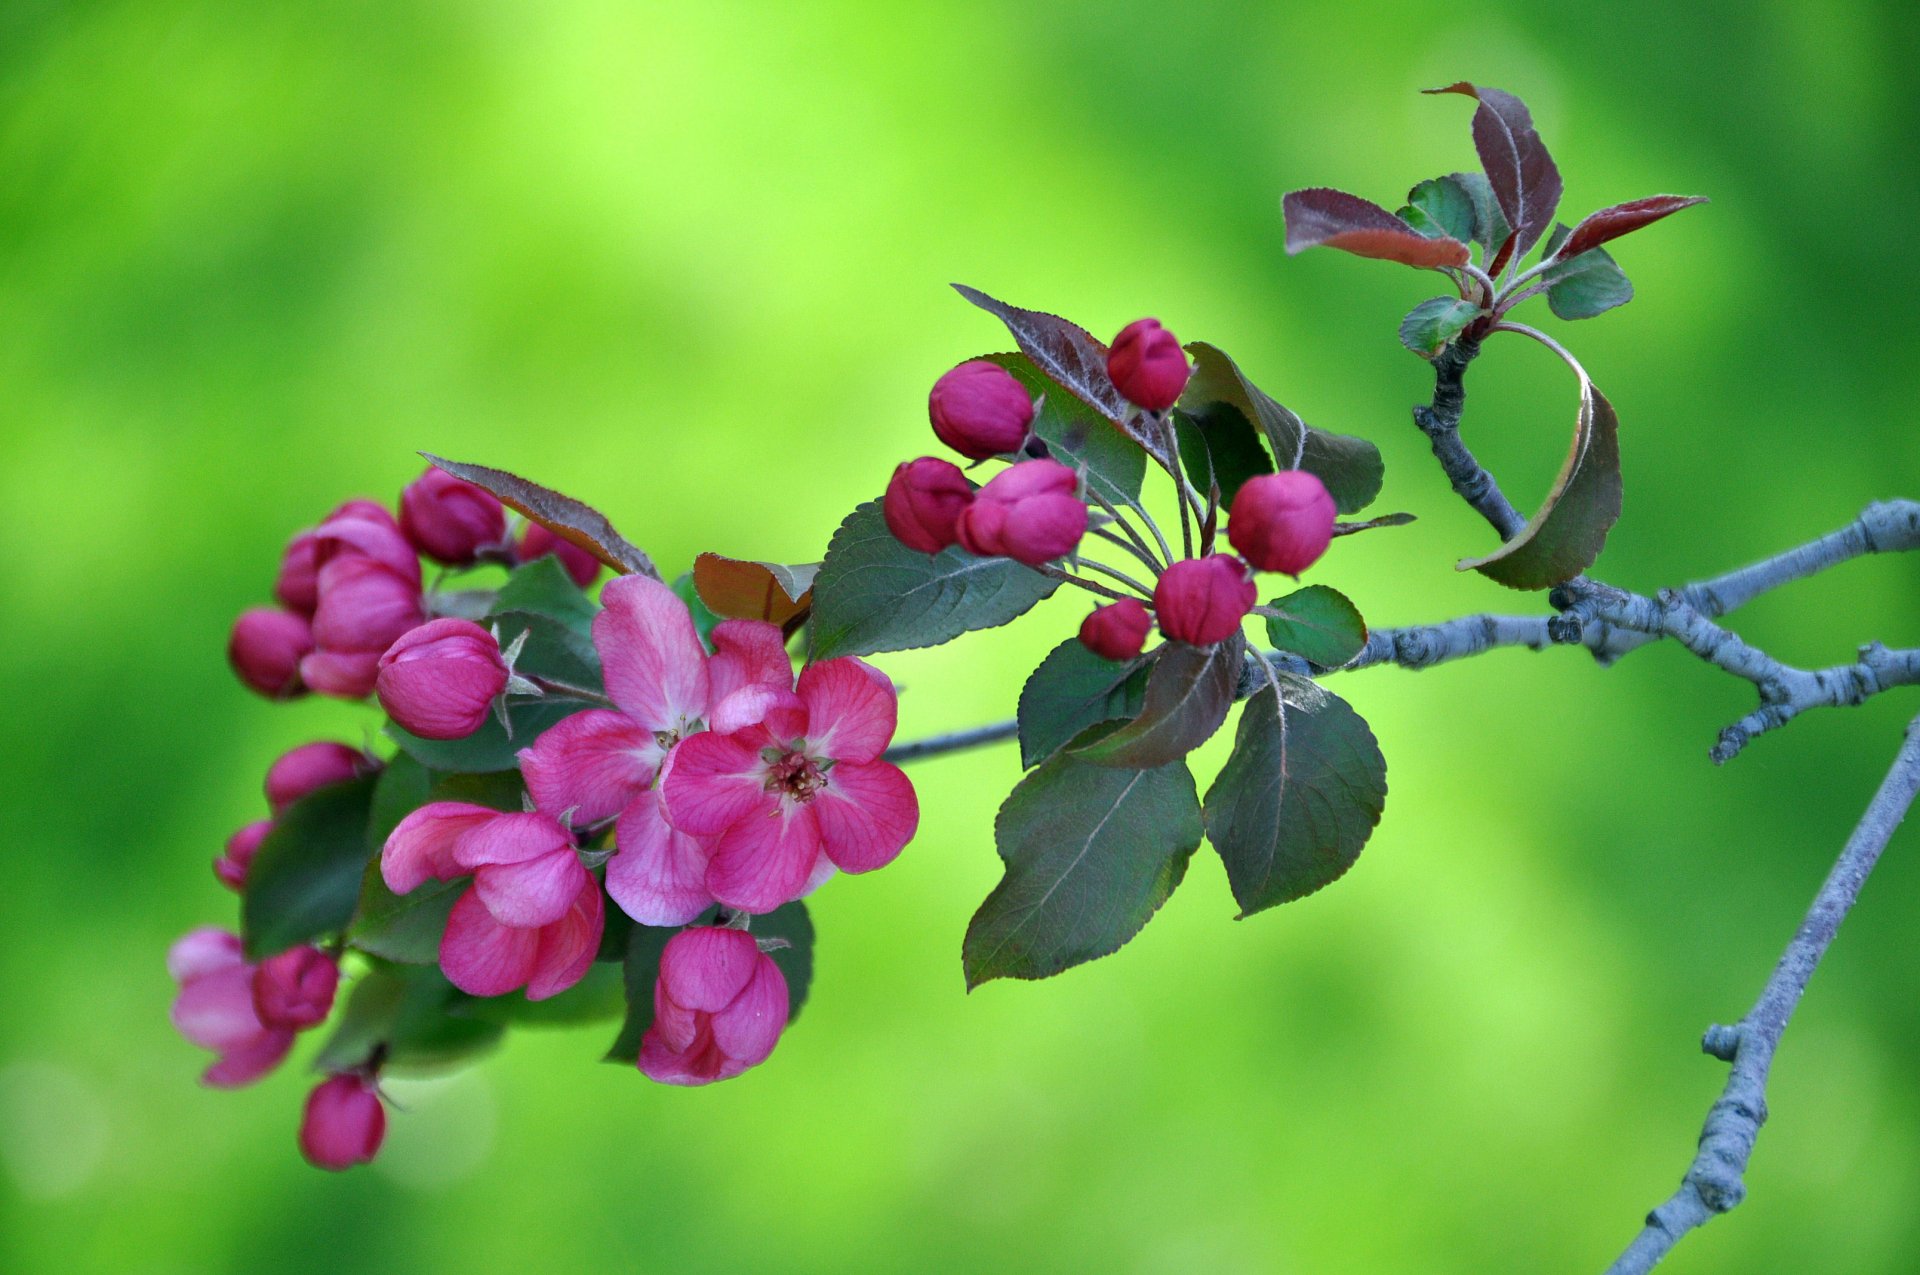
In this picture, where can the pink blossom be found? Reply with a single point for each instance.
(450, 520)
(440, 680)
(533, 916)
(602, 764)
(311, 767)
(294, 990)
(215, 1010)
(231, 867)
(363, 529)
(798, 791)
(718, 1008)
(924, 501)
(343, 1123)
(980, 410)
(1117, 630)
(1028, 512)
(265, 649)
(364, 606)
(298, 586)
(1148, 366)
(538, 541)
(1203, 600)
(1283, 521)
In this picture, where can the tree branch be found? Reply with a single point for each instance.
(1440, 422)
(1714, 1182)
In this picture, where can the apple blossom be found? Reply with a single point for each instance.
(924, 501)
(719, 1005)
(1028, 512)
(1203, 600)
(1118, 630)
(440, 680)
(1282, 522)
(215, 1009)
(1148, 366)
(343, 1123)
(266, 648)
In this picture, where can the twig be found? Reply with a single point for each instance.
(1144, 590)
(953, 741)
(1440, 422)
(1714, 1182)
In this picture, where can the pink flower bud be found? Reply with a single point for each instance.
(294, 990)
(718, 1008)
(440, 680)
(231, 867)
(538, 541)
(362, 529)
(1029, 513)
(214, 1009)
(1202, 600)
(1283, 521)
(364, 607)
(298, 586)
(343, 1123)
(311, 767)
(449, 520)
(924, 501)
(980, 410)
(266, 648)
(1118, 630)
(1148, 365)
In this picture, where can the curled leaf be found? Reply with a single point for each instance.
(1431, 324)
(574, 521)
(740, 589)
(1621, 219)
(1322, 217)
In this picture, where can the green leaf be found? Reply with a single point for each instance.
(306, 877)
(490, 748)
(1218, 444)
(1584, 286)
(544, 588)
(1298, 798)
(403, 1017)
(552, 651)
(1490, 228)
(788, 923)
(1319, 625)
(1434, 322)
(1091, 853)
(1071, 691)
(1350, 467)
(407, 928)
(1189, 693)
(875, 594)
(1442, 207)
(595, 998)
(1079, 436)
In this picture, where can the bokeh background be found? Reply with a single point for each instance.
(689, 262)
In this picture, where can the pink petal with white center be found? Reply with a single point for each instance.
(534, 893)
(251, 1061)
(823, 871)
(420, 847)
(567, 947)
(656, 669)
(706, 967)
(757, 705)
(215, 1011)
(852, 709)
(658, 875)
(202, 951)
(518, 837)
(765, 860)
(591, 763)
(748, 653)
(867, 813)
(482, 957)
(711, 781)
(749, 1028)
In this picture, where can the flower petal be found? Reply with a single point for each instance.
(710, 781)
(867, 812)
(656, 669)
(591, 763)
(421, 845)
(249, 1062)
(215, 1011)
(748, 653)
(776, 706)
(658, 875)
(765, 859)
(568, 946)
(749, 1028)
(677, 1025)
(851, 709)
(516, 837)
(482, 957)
(701, 1062)
(705, 967)
(537, 892)
(202, 951)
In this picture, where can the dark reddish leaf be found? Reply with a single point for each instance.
(1320, 217)
(570, 519)
(1622, 219)
(1189, 693)
(738, 589)
(1567, 533)
(1070, 357)
(1523, 175)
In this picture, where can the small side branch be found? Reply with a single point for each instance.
(1440, 422)
(1715, 1182)
(952, 742)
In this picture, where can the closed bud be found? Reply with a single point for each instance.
(439, 681)
(309, 768)
(1118, 630)
(1202, 600)
(298, 585)
(1148, 366)
(924, 501)
(1283, 521)
(538, 541)
(449, 520)
(231, 867)
(266, 648)
(364, 607)
(362, 529)
(1030, 512)
(343, 1124)
(718, 1008)
(294, 990)
(980, 410)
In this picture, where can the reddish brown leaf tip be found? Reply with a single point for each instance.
(1323, 217)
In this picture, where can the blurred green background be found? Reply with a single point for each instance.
(689, 262)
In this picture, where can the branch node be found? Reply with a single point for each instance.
(1721, 1041)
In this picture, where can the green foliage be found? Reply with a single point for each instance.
(543, 587)
(1318, 624)
(494, 746)
(1434, 322)
(1218, 444)
(410, 1020)
(1072, 691)
(1080, 436)
(1189, 693)
(305, 879)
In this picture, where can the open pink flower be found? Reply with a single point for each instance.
(533, 916)
(798, 791)
(215, 1009)
(718, 1008)
(601, 764)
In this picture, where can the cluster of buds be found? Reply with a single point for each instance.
(1036, 511)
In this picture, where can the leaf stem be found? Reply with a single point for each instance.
(1565, 354)
(952, 741)
(1144, 591)
(1067, 577)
